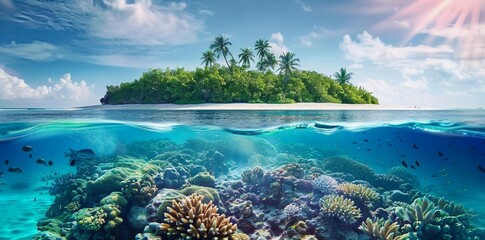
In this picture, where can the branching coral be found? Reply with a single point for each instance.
(380, 229)
(190, 218)
(358, 192)
(325, 184)
(340, 208)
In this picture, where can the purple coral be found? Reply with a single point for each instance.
(325, 184)
(291, 210)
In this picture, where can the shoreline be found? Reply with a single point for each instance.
(254, 106)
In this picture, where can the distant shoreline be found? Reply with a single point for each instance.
(254, 106)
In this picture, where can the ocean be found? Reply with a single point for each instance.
(273, 174)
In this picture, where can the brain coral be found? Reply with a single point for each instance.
(190, 218)
(340, 208)
(358, 192)
(325, 184)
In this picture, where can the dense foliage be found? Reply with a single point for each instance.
(234, 84)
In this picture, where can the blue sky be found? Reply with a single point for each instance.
(419, 52)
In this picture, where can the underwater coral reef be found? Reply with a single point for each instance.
(241, 189)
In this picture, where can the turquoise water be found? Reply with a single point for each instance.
(443, 152)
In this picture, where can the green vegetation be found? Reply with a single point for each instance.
(237, 83)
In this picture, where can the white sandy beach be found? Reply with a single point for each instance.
(255, 106)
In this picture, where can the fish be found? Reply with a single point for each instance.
(83, 154)
(434, 175)
(417, 163)
(50, 163)
(366, 140)
(7, 162)
(2, 183)
(35, 199)
(440, 154)
(404, 164)
(354, 142)
(27, 148)
(368, 150)
(402, 155)
(30, 155)
(414, 146)
(15, 170)
(40, 161)
(72, 162)
(481, 168)
(412, 166)
(443, 169)
(447, 181)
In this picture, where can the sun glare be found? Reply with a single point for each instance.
(459, 21)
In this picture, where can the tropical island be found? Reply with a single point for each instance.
(273, 81)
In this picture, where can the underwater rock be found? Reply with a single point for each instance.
(404, 174)
(174, 177)
(291, 211)
(114, 198)
(252, 177)
(346, 165)
(398, 196)
(203, 179)
(210, 194)
(137, 218)
(387, 182)
(110, 181)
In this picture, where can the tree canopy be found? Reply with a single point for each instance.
(235, 83)
(224, 85)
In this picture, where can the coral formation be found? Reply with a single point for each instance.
(381, 229)
(358, 192)
(340, 208)
(325, 184)
(353, 167)
(190, 218)
(139, 190)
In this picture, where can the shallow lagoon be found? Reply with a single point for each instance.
(168, 151)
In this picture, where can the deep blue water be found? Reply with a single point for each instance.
(448, 145)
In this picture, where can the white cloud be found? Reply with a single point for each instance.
(139, 22)
(36, 51)
(277, 44)
(305, 7)
(423, 70)
(14, 88)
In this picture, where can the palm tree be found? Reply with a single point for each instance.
(246, 57)
(271, 61)
(221, 46)
(262, 50)
(288, 64)
(208, 58)
(342, 76)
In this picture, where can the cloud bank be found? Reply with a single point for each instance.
(65, 90)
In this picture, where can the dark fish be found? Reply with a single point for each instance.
(30, 155)
(366, 140)
(368, 150)
(354, 143)
(15, 170)
(50, 163)
(7, 161)
(27, 148)
(35, 199)
(390, 145)
(414, 146)
(481, 168)
(83, 154)
(72, 162)
(40, 161)
(417, 163)
(404, 164)
(2, 183)
(412, 166)
(440, 154)
(434, 175)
